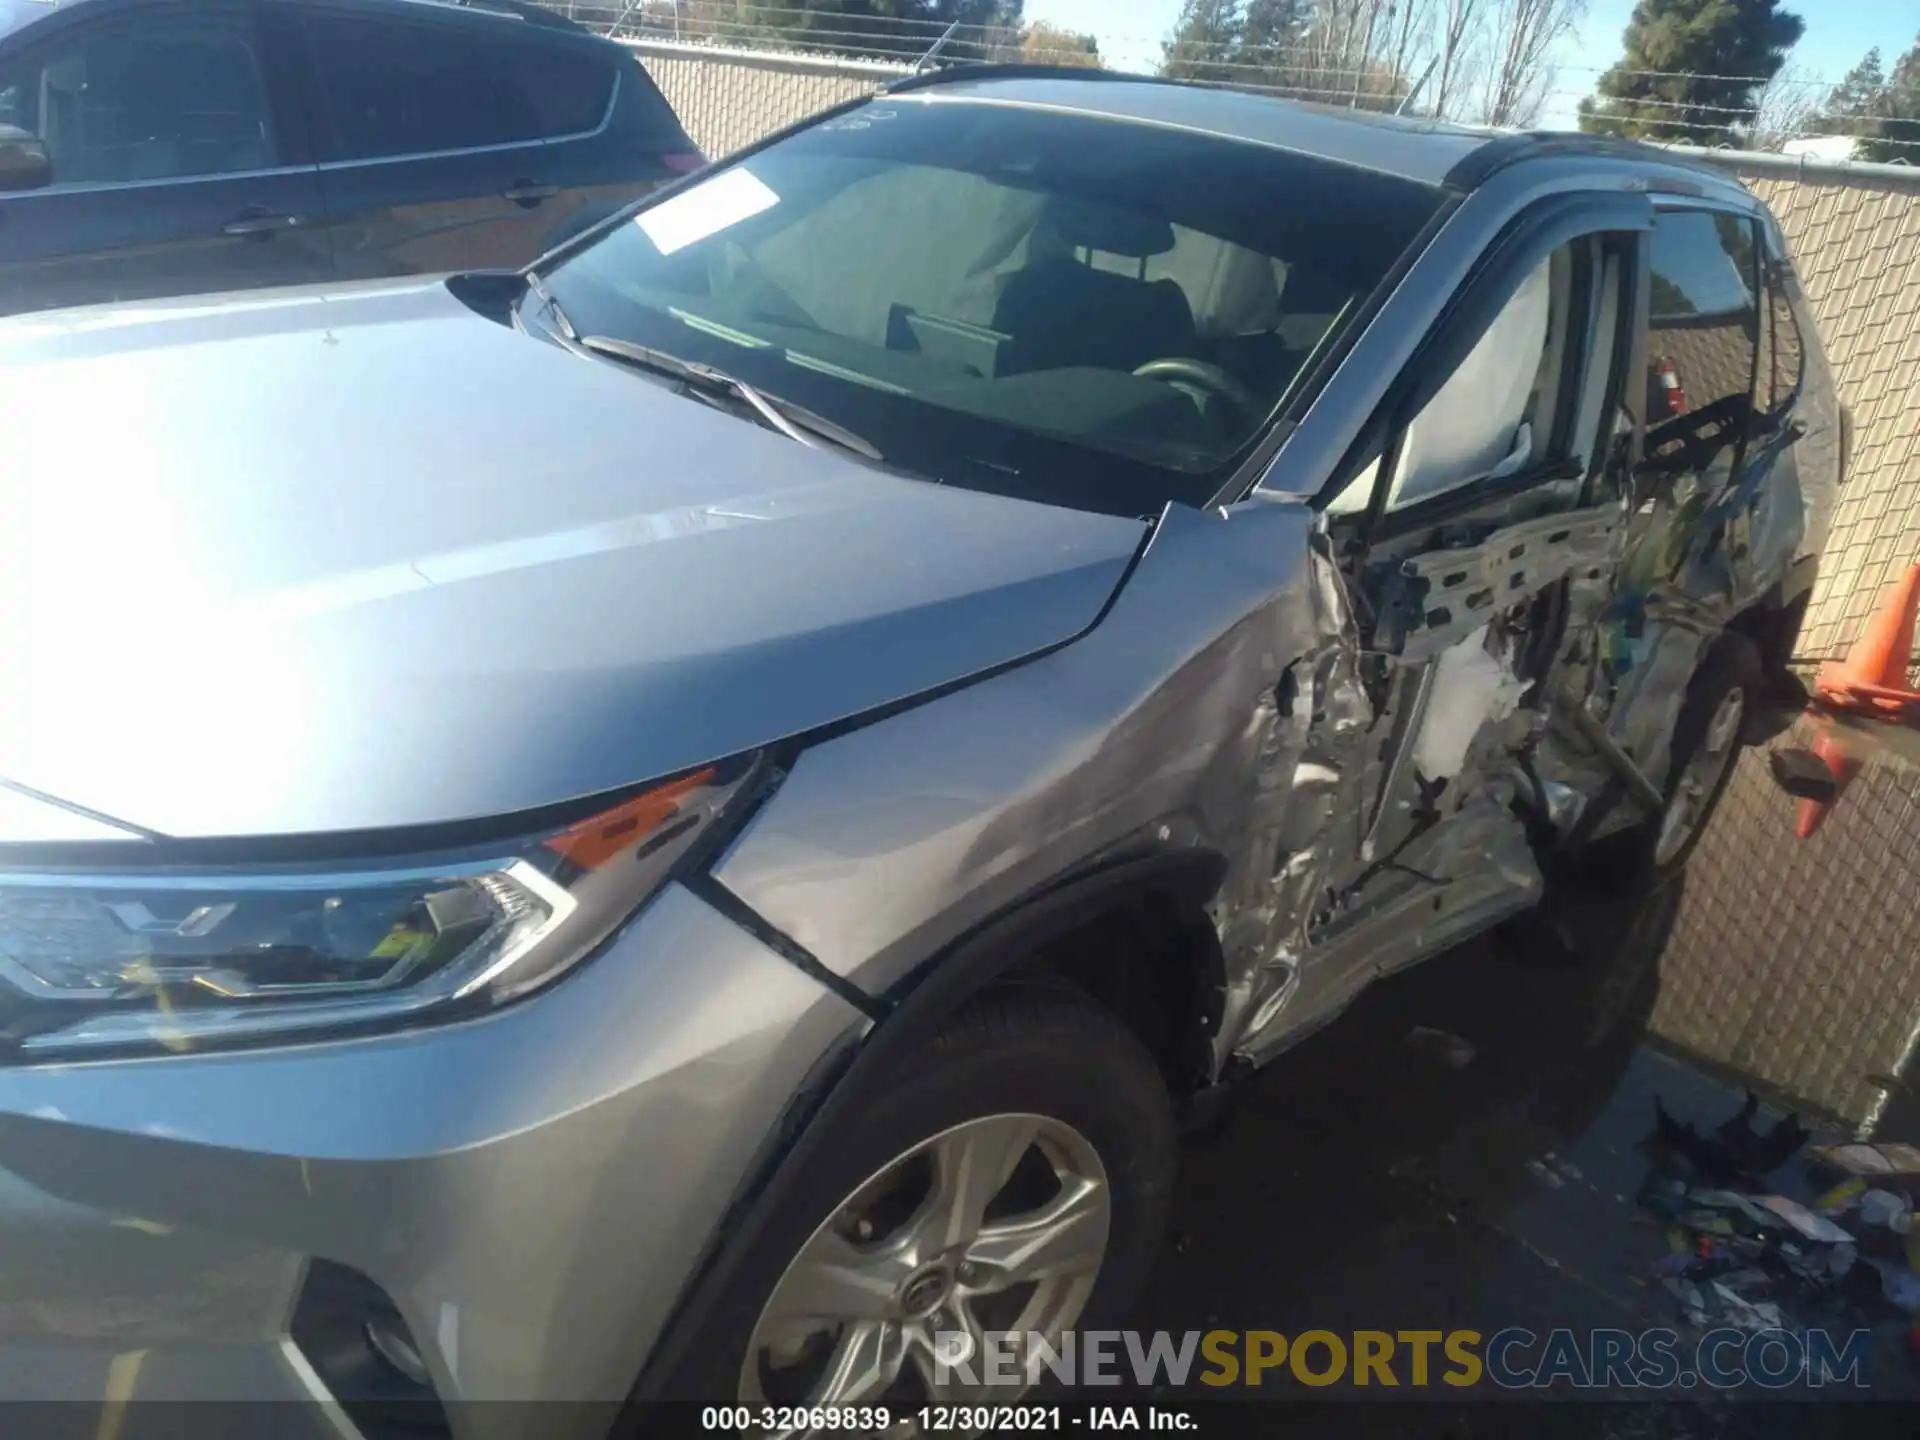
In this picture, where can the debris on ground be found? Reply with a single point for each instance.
(1841, 1197)
(1735, 1150)
(1554, 1171)
(1861, 1158)
(1451, 1050)
(1814, 1227)
(1885, 1208)
(1741, 1254)
(1900, 1285)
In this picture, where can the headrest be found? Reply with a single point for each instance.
(1115, 229)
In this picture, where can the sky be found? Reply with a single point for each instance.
(1838, 33)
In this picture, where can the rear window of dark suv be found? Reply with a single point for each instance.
(394, 87)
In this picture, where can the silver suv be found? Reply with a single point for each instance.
(683, 822)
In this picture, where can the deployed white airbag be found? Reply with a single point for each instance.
(1471, 689)
(1470, 426)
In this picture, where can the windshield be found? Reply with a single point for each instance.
(1074, 309)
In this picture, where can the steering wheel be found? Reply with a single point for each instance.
(1187, 374)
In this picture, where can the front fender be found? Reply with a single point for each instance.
(888, 844)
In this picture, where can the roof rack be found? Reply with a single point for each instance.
(990, 70)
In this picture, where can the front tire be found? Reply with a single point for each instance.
(1012, 1173)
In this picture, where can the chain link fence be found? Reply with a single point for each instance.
(1799, 961)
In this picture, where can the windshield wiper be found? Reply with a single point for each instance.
(796, 422)
(537, 288)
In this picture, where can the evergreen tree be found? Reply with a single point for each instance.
(1042, 43)
(1882, 111)
(1282, 47)
(1897, 135)
(1692, 69)
(1863, 90)
(1204, 40)
(1270, 40)
(1275, 25)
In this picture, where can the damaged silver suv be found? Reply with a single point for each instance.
(680, 823)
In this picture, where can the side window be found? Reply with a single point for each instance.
(15, 93)
(169, 97)
(1703, 322)
(1498, 413)
(567, 91)
(394, 88)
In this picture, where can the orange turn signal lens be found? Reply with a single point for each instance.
(599, 838)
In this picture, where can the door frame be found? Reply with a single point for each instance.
(1374, 935)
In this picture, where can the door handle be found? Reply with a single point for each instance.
(527, 194)
(257, 224)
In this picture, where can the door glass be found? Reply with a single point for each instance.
(170, 97)
(400, 89)
(15, 92)
(1702, 325)
(566, 91)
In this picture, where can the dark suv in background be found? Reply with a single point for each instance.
(168, 147)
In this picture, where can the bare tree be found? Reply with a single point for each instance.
(1328, 60)
(1359, 49)
(1457, 25)
(1521, 71)
(1363, 69)
(1785, 109)
(1411, 20)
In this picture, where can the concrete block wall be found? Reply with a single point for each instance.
(730, 98)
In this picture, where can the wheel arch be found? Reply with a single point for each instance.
(1020, 945)
(1127, 933)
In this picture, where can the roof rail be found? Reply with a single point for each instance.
(1518, 145)
(952, 74)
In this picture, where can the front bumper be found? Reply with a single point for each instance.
(532, 1189)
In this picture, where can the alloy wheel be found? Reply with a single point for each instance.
(998, 1224)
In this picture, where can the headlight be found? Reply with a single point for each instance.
(108, 960)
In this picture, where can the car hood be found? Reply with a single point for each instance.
(359, 558)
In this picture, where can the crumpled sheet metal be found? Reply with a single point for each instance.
(887, 843)
(1631, 646)
(1220, 705)
(1454, 592)
(1311, 794)
(1329, 928)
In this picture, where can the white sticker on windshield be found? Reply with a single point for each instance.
(706, 209)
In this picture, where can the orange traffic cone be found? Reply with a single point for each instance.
(1840, 764)
(1871, 681)
(1873, 677)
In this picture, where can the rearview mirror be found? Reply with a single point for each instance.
(24, 162)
